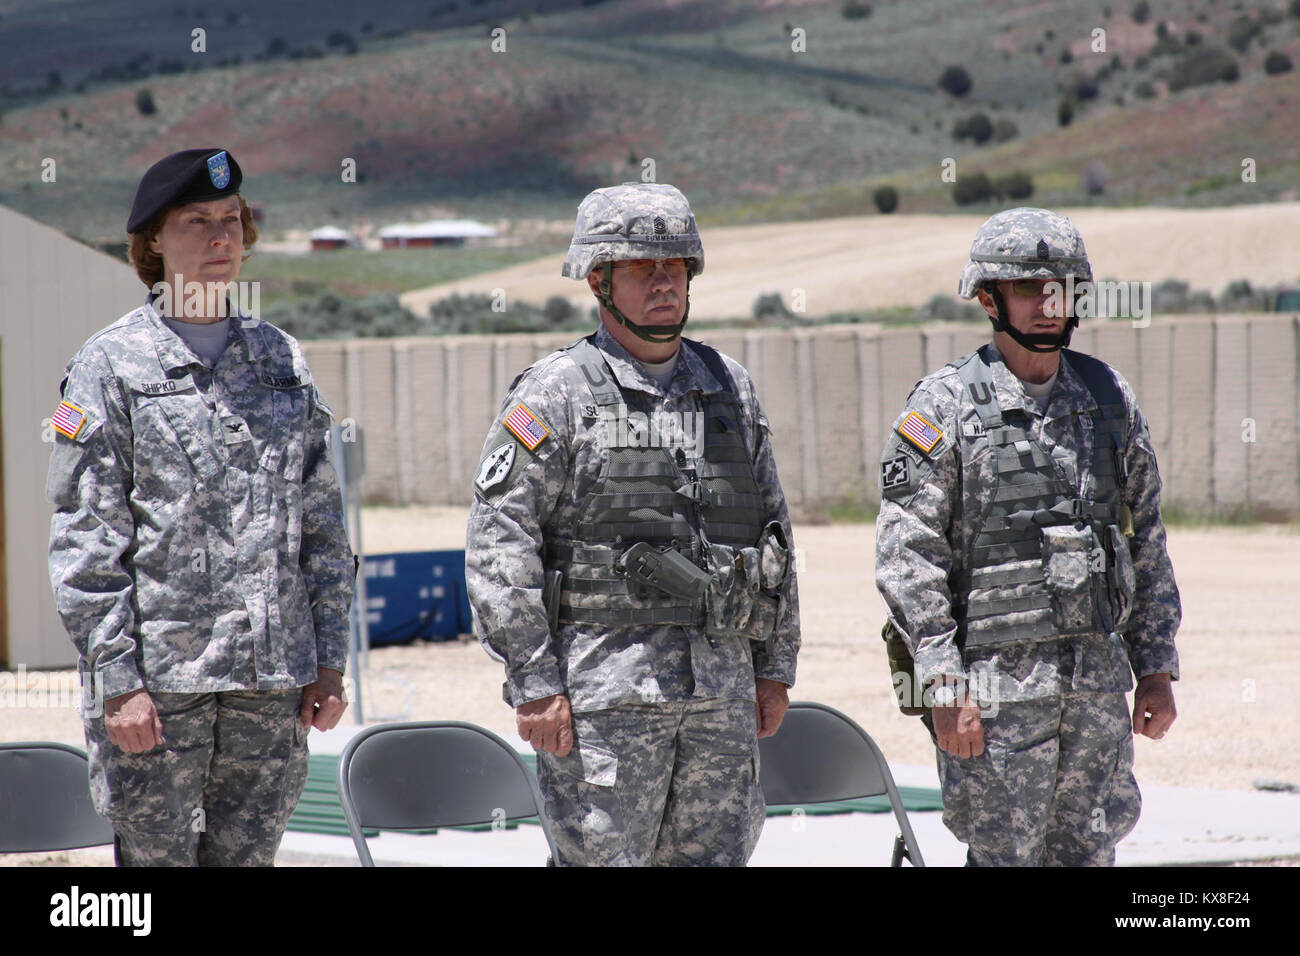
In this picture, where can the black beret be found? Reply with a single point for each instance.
(192, 175)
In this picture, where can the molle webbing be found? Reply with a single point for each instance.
(1004, 593)
(653, 494)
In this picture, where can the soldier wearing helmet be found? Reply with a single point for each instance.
(628, 559)
(1021, 555)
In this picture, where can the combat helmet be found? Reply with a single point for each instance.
(1026, 243)
(634, 221)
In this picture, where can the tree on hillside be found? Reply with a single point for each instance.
(1065, 111)
(144, 103)
(1141, 11)
(855, 10)
(886, 199)
(956, 81)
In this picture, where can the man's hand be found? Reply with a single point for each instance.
(323, 702)
(772, 700)
(132, 722)
(547, 724)
(958, 727)
(1153, 706)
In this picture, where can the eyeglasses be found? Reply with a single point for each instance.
(643, 269)
(1031, 288)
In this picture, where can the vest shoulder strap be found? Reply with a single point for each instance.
(595, 370)
(977, 376)
(1104, 389)
(712, 360)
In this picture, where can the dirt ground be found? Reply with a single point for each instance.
(1239, 648)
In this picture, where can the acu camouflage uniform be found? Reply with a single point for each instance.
(1055, 783)
(664, 767)
(198, 550)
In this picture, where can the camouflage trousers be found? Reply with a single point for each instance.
(663, 784)
(1054, 786)
(219, 790)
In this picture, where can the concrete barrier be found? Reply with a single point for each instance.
(1221, 396)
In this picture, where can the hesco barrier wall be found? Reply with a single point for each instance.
(1221, 394)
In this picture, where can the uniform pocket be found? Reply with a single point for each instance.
(1067, 552)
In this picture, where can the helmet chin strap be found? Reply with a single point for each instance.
(1033, 341)
(650, 333)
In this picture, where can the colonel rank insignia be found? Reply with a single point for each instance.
(525, 426)
(919, 432)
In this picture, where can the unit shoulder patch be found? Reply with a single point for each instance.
(495, 467)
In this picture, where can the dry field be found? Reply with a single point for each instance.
(877, 261)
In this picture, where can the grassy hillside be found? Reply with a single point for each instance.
(583, 93)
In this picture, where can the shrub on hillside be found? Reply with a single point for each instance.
(1207, 65)
(886, 199)
(955, 80)
(1014, 185)
(976, 127)
(1276, 62)
(855, 10)
(1005, 129)
(972, 188)
(144, 103)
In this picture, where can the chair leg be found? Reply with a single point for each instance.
(900, 852)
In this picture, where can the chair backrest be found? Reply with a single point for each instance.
(45, 800)
(821, 756)
(419, 776)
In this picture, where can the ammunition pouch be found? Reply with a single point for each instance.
(744, 596)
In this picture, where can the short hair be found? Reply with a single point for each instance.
(149, 265)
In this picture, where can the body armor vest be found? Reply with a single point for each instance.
(1046, 563)
(658, 496)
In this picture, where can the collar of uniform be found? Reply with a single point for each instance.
(1070, 395)
(172, 350)
(691, 372)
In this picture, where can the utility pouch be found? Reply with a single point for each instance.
(1121, 578)
(670, 571)
(736, 606)
(774, 557)
(551, 599)
(1067, 553)
(902, 671)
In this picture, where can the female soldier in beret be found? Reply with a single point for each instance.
(198, 551)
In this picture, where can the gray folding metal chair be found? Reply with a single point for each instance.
(820, 756)
(45, 800)
(418, 776)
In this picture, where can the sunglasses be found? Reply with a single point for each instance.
(1031, 288)
(643, 269)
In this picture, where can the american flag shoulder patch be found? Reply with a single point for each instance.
(68, 420)
(919, 432)
(526, 426)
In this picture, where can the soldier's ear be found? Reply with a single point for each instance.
(593, 281)
(986, 300)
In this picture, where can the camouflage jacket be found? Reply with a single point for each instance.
(927, 523)
(198, 541)
(546, 490)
